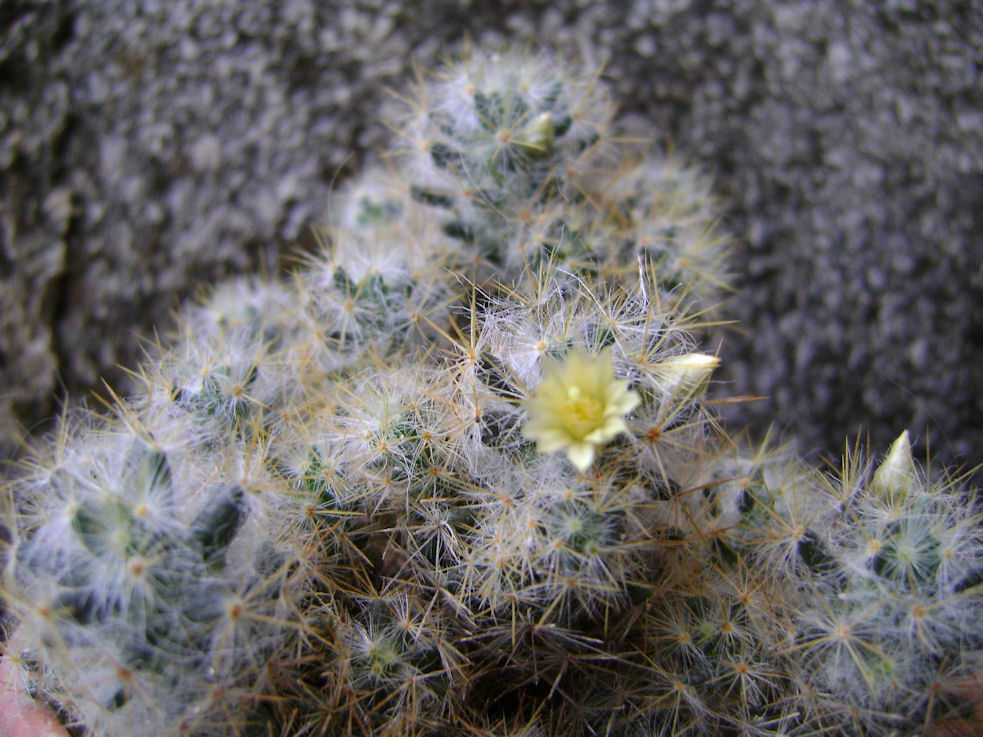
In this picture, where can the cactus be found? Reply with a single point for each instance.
(459, 474)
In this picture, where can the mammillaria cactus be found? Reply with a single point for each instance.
(460, 474)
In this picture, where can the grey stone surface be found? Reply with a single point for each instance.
(148, 148)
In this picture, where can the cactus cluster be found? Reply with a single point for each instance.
(459, 474)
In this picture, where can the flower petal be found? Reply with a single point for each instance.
(581, 455)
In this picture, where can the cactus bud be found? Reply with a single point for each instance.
(897, 471)
(687, 376)
(539, 134)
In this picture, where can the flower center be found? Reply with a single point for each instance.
(581, 414)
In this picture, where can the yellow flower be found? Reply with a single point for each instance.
(580, 406)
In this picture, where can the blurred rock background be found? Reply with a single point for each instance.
(149, 148)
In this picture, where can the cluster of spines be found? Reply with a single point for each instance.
(877, 571)
(326, 512)
(149, 587)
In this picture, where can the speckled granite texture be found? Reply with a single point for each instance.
(148, 148)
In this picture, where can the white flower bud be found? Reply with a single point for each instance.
(538, 134)
(896, 473)
(687, 376)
